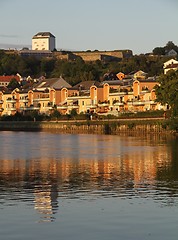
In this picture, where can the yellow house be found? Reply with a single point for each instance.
(97, 98)
(1, 103)
(140, 75)
(9, 105)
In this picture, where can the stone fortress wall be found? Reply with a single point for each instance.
(94, 55)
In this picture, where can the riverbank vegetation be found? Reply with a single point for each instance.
(110, 122)
(56, 115)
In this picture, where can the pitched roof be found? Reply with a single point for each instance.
(123, 82)
(56, 83)
(9, 78)
(86, 85)
(169, 62)
(147, 80)
(43, 34)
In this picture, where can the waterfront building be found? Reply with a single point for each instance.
(108, 97)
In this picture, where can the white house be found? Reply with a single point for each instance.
(171, 53)
(43, 41)
(171, 64)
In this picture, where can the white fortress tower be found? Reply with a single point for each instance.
(43, 41)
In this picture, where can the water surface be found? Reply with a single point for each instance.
(62, 186)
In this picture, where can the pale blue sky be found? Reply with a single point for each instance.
(139, 25)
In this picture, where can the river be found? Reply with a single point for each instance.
(69, 186)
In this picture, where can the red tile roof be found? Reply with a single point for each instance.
(9, 78)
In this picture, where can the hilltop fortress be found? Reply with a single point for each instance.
(44, 45)
(105, 56)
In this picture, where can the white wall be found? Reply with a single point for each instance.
(171, 61)
(43, 43)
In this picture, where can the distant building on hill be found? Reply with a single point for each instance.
(43, 41)
(171, 53)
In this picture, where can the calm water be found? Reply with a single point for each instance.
(55, 186)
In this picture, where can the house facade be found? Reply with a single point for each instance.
(51, 94)
(43, 41)
(171, 64)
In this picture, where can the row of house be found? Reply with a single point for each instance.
(133, 93)
(107, 97)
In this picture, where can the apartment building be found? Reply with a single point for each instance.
(109, 97)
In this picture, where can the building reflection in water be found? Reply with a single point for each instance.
(46, 202)
(111, 165)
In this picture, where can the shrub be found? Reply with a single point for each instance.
(131, 125)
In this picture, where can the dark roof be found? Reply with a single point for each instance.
(117, 82)
(56, 83)
(43, 34)
(86, 85)
(147, 80)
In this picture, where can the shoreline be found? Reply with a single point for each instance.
(111, 126)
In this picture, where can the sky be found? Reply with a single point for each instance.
(138, 25)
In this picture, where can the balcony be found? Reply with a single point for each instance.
(1, 101)
(1, 109)
(129, 103)
(91, 106)
(153, 102)
(41, 99)
(114, 90)
(10, 100)
(11, 109)
(138, 103)
(119, 104)
(24, 108)
(31, 108)
(23, 100)
(62, 107)
(73, 106)
(103, 104)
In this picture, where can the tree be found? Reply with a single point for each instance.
(163, 50)
(56, 114)
(170, 45)
(47, 66)
(167, 91)
(13, 84)
(159, 51)
(73, 113)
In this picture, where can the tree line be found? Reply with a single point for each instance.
(164, 50)
(76, 71)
